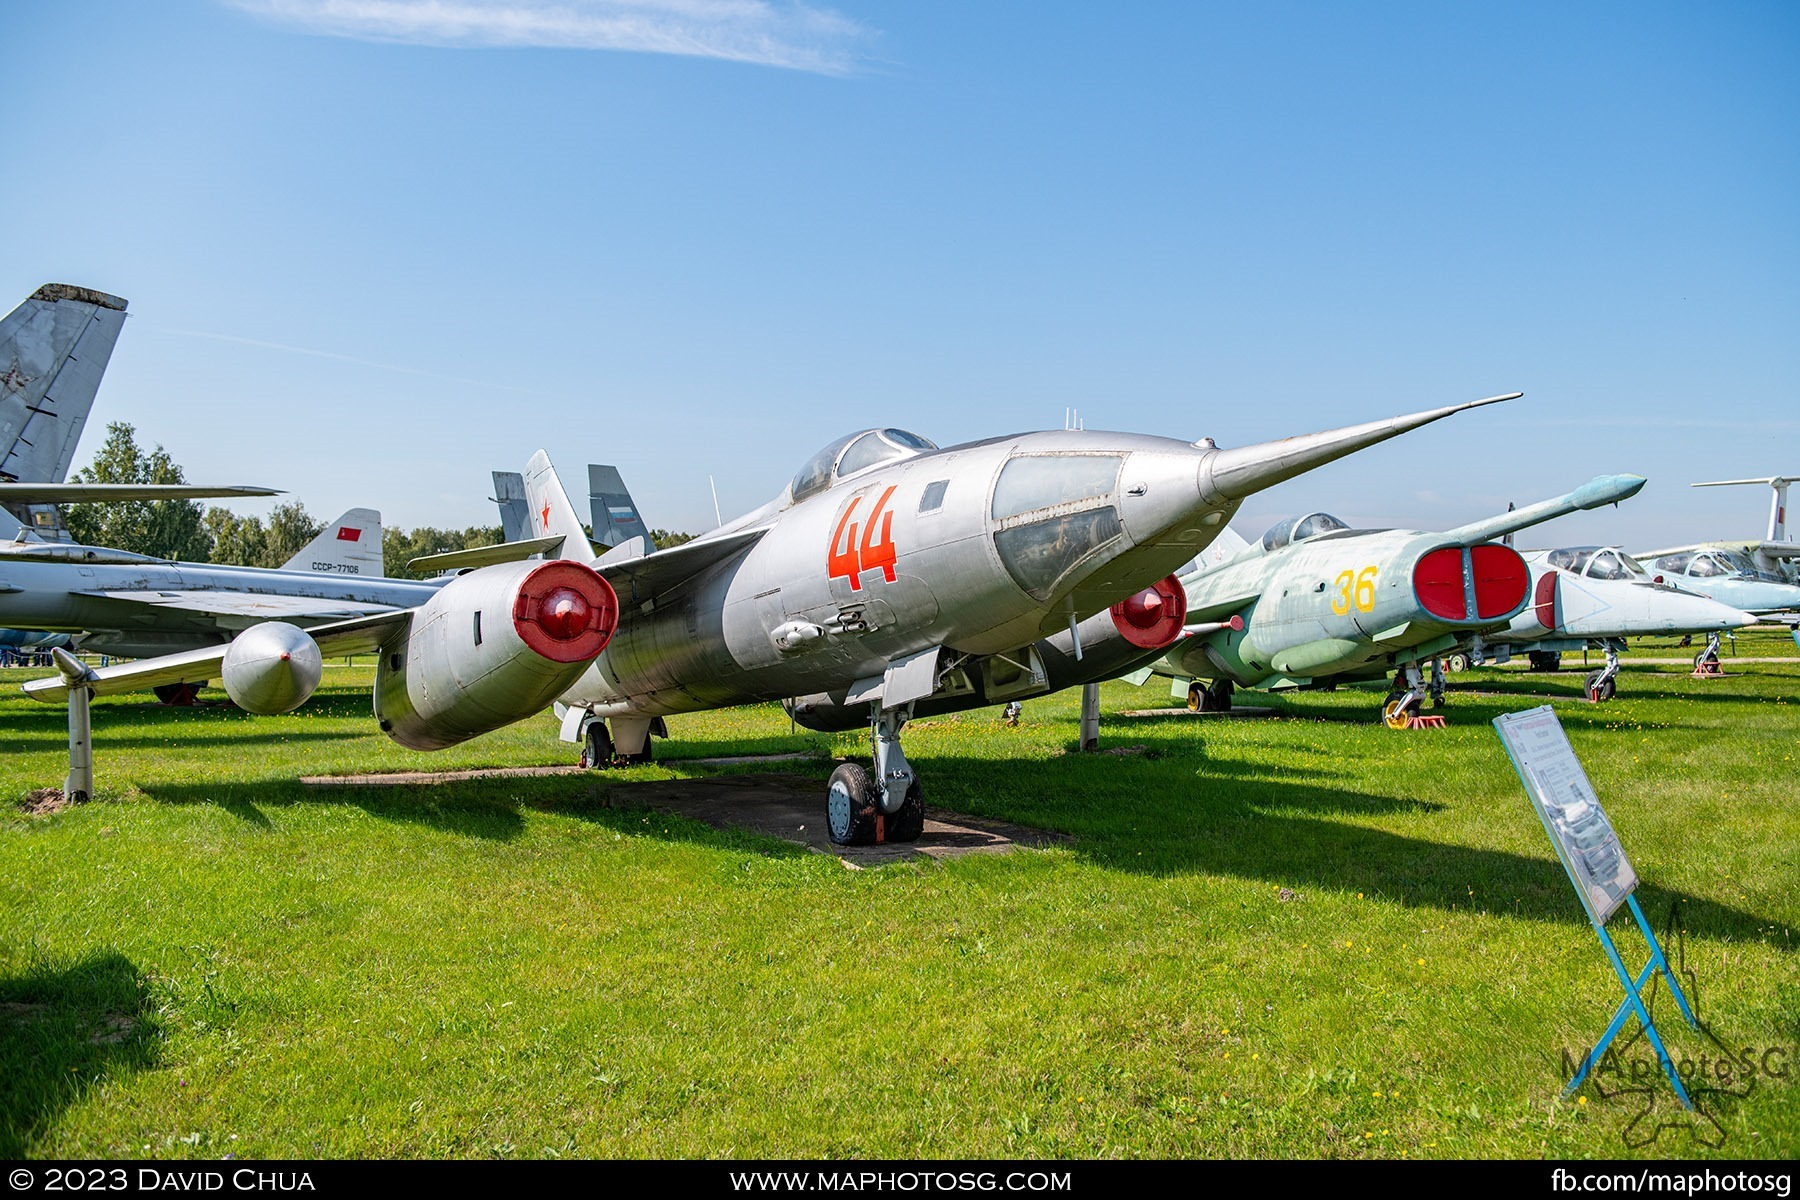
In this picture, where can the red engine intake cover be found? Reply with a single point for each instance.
(1153, 618)
(1547, 596)
(1501, 580)
(1438, 583)
(1441, 582)
(565, 611)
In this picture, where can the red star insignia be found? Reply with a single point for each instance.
(546, 516)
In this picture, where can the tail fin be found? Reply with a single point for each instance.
(616, 518)
(53, 350)
(549, 512)
(350, 545)
(515, 516)
(1227, 546)
(1777, 502)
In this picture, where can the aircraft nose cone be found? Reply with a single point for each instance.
(1162, 500)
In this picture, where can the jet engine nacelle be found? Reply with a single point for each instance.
(494, 646)
(271, 668)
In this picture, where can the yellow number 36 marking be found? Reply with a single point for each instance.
(1355, 588)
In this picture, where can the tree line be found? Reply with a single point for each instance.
(183, 530)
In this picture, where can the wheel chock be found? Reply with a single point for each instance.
(1432, 722)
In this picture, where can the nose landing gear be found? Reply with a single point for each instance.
(887, 806)
(1405, 697)
(1602, 684)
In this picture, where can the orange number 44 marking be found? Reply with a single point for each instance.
(854, 558)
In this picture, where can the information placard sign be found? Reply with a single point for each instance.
(1571, 812)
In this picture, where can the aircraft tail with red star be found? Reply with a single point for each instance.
(550, 513)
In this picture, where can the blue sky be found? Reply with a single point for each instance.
(376, 248)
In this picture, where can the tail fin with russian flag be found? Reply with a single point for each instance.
(350, 545)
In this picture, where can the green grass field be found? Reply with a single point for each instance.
(210, 958)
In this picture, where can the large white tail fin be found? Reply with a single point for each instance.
(53, 350)
(350, 545)
(550, 513)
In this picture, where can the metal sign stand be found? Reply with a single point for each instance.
(1596, 865)
(1633, 1002)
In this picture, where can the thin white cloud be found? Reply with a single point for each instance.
(775, 33)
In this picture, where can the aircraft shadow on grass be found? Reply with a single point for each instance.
(63, 1032)
(1171, 817)
(1174, 815)
(490, 809)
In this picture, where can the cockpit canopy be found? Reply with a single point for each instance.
(1597, 562)
(1709, 564)
(852, 454)
(1298, 529)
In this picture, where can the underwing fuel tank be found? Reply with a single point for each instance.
(271, 668)
(495, 646)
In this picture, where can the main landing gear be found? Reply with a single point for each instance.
(178, 695)
(1602, 684)
(1214, 697)
(625, 744)
(887, 806)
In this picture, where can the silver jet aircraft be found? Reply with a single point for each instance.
(886, 569)
(115, 602)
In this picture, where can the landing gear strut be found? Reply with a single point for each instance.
(1602, 684)
(886, 806)
(1707, 661)
(1438, 688)
(1405, 697)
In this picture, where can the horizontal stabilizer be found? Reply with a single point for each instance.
(1604, 489)
(485, 556)
(113, 493)
(359, 635)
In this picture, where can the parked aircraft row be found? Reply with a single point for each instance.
(889, 579)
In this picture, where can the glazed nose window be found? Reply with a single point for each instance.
(1041, 480)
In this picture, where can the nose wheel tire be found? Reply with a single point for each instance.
(1399, 711)
(850, 806)
(1600, 688)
